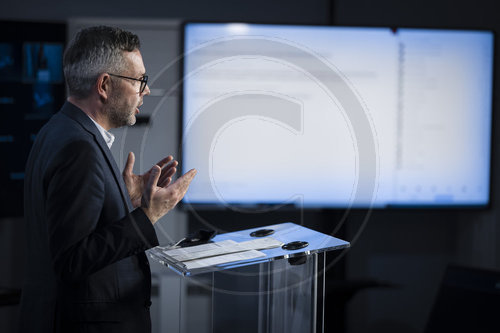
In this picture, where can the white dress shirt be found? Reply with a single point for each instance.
(107, 136)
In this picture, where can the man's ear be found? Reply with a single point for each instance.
(104, 86)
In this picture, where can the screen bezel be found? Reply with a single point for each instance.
(213, 206)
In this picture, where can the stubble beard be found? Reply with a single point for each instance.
(120, 113)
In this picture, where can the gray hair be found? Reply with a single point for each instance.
(94, 51)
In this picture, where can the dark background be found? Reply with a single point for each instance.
(407, 251)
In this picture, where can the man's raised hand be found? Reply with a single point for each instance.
(137, 183)
(159, 200)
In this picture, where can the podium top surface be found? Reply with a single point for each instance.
(285, 232)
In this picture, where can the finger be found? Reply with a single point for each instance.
(184, 180)
(166, 177)
(165, 161)
(166, 172)
(155, 175)
(129, 165)
(165, 182)
(165, 165)
(171, 164)
(150, 186)
(170, 172)
(190, 174)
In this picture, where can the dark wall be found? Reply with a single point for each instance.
(441, 13)
(312, 11)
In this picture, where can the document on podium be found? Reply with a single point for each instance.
(223, 259)
(221, 252)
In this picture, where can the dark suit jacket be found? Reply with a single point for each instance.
(86, 269)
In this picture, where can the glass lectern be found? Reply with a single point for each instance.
(280, 290)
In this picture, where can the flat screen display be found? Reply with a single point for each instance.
(31, 91)
(336, 117)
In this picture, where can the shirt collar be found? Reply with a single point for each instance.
(107, 136)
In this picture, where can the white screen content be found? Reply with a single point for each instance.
(267, 117)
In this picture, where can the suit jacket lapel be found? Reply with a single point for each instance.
(79, 116)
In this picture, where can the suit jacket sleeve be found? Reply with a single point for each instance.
(80, 243)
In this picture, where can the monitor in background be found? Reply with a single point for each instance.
(31, 91)
(336, 117)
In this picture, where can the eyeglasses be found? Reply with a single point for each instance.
(143, 80)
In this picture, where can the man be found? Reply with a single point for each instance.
(87, 225)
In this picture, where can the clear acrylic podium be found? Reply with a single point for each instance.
(281, 292)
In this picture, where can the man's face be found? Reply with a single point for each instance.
(125, 98)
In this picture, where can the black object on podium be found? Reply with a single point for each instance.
(273, 290)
